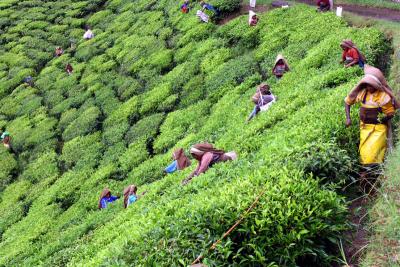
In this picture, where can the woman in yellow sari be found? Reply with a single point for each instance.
(377, 109)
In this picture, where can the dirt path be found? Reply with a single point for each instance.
(356, 239)
(371, 12)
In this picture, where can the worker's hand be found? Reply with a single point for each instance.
(348, 122)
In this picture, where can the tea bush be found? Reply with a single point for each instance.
(153, 80)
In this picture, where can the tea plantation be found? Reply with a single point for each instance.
(154, 79)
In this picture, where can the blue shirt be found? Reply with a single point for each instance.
(172, 167)
(131, 199)
(104, 201)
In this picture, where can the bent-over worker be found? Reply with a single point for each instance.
(88, 34)
(202, 16)
(69, 69)
(105, 198)
(351, 54)
(181, 161)
(207, 155)
(59, 51)
(185, 6)
(324, 5)
(6, 139)
(253, 18)
(206, 6)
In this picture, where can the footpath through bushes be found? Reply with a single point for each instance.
(152, 80)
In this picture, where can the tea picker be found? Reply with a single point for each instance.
(28, 80)
(130, 195)
(185, 7)
(253, 18)
(88, 34)
(324, 5)
(206, 6)
(207, 156)
(202, 16)
(105, 198)
(280, 67)
(351, 54)
(378, 106)
(6, 139)
(59, 51)
(263, 99)
(69, 69)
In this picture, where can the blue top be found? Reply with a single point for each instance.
(131, 199)
(104, 201)
(172, 167)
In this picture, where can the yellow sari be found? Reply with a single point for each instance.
(373, 137)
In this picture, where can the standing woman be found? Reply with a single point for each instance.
(376, 111)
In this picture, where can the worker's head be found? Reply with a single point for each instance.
(202, 3)
(370, 88)
(346, 44)
(232, 155)
(263, 88)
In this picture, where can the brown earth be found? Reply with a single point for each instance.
(365, 11)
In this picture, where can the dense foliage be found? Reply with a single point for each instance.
(154, 79)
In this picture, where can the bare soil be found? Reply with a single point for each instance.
(365, 11)
(357, 237)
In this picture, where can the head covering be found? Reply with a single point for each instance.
(280, 57)
(103, 194)
(348, 43)
(263, 88)
(251, 14)
(181, 158)
(199, 150)
(232, 155)
(375, 78)
(129, 190)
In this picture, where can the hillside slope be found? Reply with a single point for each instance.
(152, 80)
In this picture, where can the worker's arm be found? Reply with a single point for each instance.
(355, 61)
(194, 173)
(347, 110)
